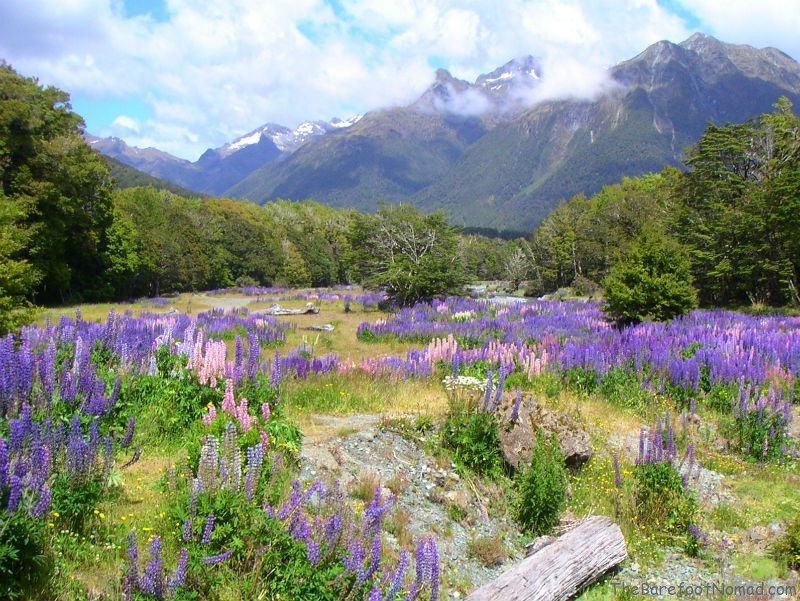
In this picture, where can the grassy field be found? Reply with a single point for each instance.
(758, 495)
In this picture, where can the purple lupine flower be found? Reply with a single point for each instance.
(4, 463)
(14, 494)
(43, 504)
(128, 437)
(178, 576)
(514, 415)
(615, 464)
(422, 564)
(487, 393)
(354, 556)
(253, 355)
(208, 528)
(215, 559)
(374, 561)
(152, 581)
(275, 373)
(312, 552)
(187, 530)
(433, 558)
(133, 555)
(397, 577)
(498, 391)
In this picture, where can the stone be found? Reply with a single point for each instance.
(517, 439)
(460, 498)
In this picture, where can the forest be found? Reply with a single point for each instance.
(70, 234)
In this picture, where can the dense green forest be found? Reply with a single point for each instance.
(68, 232)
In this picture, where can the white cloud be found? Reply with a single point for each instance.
(214, 70)
(764, 23)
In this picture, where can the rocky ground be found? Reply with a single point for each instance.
(475, 546)
(430, 497)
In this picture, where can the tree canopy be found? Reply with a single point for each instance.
(414, 257)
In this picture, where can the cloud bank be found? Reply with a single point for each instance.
(204, 71)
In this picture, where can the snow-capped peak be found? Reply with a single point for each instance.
(285, 139)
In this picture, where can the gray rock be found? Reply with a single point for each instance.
(517, 439)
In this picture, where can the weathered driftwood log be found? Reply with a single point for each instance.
(560, 569)
(320, 327)
(276, 309)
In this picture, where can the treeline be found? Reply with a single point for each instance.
(735, 213)
(68, 233)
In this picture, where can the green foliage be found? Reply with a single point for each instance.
(787, 548)
(737, 210)
(663, 505)
(621, 387)
(25, 559)
(471, 440)
(652, 282)
(581, 380)
(414, 257)
(760, 435)
(541, 487)
(170, 403)
(76, 500)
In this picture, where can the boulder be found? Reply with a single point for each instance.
(517, 438)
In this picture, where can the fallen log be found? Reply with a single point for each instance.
(276, 309)
(559, 570)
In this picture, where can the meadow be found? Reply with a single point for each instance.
(150, 450)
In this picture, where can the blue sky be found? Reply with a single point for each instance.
(186, 75)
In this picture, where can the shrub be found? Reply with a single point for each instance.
(662, 501)
(787, 548)
(541, 488)
(621, 387)
(488, 550)
(472, 441)
(24, 559)
(652, 282)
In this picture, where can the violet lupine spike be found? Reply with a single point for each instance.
(4, 463)
(187, 530)
(208, 528)
(514, 415)
(365, 574)
(14, 493)
(43, 503)
(398, 577)
(433, 558)
(215, 559)
(178, 576)
(615, 465)
(275, 373)
(129, 431)
(152, 580)
(312, 552)
(487, 393)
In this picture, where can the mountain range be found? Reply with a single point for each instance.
(492, 153)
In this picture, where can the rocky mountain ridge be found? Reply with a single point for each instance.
(495, 153)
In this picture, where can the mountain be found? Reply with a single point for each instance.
(126, 176)
(218, 169)
(489, 157)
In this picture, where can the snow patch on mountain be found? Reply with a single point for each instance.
(285, 139)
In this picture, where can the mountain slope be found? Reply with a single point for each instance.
(488, 161)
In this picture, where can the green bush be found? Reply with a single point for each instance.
(25, 562)
(472, 442)
(787, 548)
(621, 387)
(662, 504)
(541, 488)
(653, 282)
